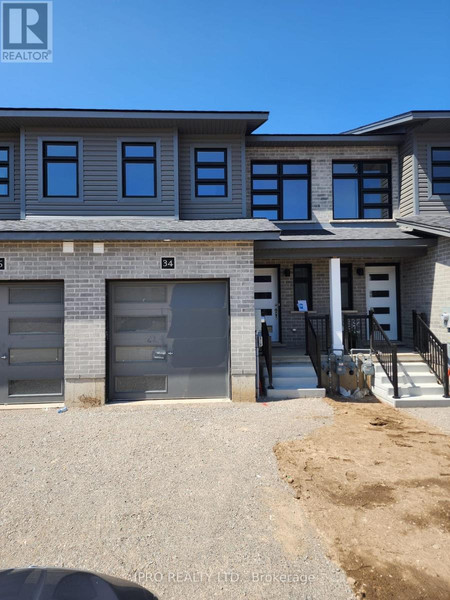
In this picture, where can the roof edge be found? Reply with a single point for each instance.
(405, 117)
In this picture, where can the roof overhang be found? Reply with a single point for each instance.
(322, 140)
(136, 229)
(402, 119)
(343, 248)
(424, 227)
(189, 121)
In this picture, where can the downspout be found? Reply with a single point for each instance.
(23, 211)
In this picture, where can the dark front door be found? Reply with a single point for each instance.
(31, 342)
(168, 340)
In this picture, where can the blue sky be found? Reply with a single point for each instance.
(317, 65)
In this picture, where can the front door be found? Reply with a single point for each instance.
(266, 298)
(381, 296)
(31, 342)
(168, 339)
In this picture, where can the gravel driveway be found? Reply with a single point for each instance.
(186, 499)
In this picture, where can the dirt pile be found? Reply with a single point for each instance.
(376, 484)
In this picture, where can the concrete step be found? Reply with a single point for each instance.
(409, 401)
(293, 371)
(415, 379)
(286, 383)
(290, 358)
(430, 389)
(413, 367)
(283, 394)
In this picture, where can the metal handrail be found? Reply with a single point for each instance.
(321, 324)
(356, 331)
(267, 351)
(385, 351)
(433, 351)
(313, 348)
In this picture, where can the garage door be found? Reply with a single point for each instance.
(31, 342)
(168, 340)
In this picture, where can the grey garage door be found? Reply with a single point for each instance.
(31, 342)
(168, 340)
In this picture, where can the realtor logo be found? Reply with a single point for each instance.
(27, 32)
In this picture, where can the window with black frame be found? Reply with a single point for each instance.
(362, 189)
(303, 285)
(60, 162)
(346, 287)
(138, 170)
(211, 173)
(281, 190)
(440, 166)
(4, 171)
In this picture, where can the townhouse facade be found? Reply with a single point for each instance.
(135, 246)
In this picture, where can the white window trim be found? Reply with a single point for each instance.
(10, 197)
(139, 200)
(429, 172)
(208, 199)
(62, 199)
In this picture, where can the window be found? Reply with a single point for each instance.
(138, 170)
(281, 190)
(303, 285)
(211, 173)
(60, 169)
(362, 190)
(346, 287)
(440, 167)
(4, 171)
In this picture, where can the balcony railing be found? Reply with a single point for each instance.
(433, 352)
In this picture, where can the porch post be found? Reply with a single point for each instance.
(336, 304)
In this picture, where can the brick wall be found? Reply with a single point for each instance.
(321, 170)
(85, 275)
(426, 288)
(292, 322)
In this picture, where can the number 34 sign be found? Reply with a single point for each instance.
(168, 263)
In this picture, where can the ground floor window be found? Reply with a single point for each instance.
(303, 285)
(346, 287)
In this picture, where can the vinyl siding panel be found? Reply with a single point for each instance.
(10, 207)
(100, 175)
(428, 202)
(407, 176)
(195, 208)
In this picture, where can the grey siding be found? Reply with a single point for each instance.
(195, 208)
(321, 170)
(10, 207)
(428, 202)
(407, 176)
(100, 175)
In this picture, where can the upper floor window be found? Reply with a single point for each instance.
(138, 170)
(440, 165)
(362, 190)
(60, 169)
(4, 171)
(281, 190)
(211, 172)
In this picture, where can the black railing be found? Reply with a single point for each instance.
(321, 325)
(267, 351)
(356, 332)
(385, 351)
(433, 352)
(314, 346)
